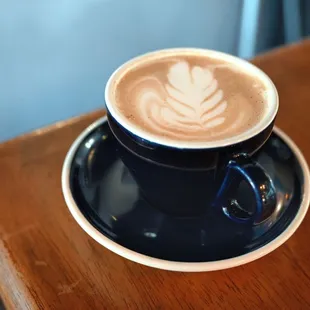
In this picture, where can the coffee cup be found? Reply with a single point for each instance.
(188, 122)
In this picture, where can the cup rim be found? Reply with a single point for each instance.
(273, 100)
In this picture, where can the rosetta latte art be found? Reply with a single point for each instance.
(193, 99)
(187, 103)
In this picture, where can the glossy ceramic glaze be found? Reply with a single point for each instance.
(106, 201)
(187, 182)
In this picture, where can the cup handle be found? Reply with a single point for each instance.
(243, 168)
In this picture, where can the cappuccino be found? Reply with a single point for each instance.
(189, 97)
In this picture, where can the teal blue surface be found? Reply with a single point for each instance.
(56, 55)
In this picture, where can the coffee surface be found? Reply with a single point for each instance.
(190, 98)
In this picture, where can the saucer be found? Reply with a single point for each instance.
(105, 200)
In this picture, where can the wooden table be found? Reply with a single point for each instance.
(48, 262)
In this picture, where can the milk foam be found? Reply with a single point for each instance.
(186, 100)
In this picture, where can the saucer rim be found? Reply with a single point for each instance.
(176, 265)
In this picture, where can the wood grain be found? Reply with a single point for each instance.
(48, 262)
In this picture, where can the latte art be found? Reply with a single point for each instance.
(190, 98)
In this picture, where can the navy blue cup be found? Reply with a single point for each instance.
(189, 180)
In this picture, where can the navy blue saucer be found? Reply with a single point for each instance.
(104, 192)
